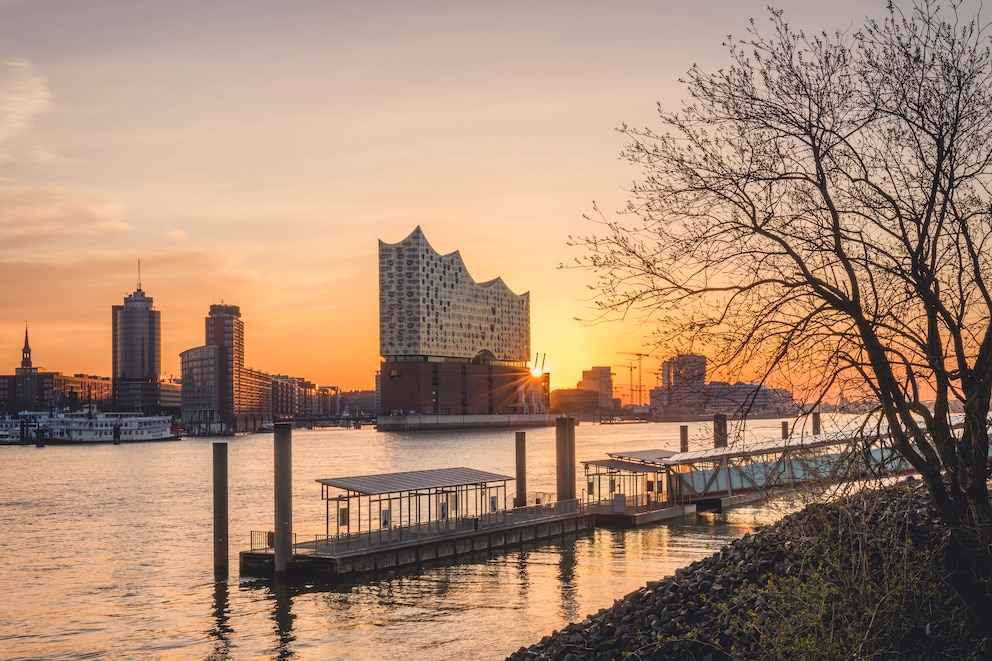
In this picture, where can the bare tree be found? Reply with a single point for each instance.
(821, 208)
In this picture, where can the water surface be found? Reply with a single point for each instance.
(108, 551)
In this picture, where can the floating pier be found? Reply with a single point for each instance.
(386, 522)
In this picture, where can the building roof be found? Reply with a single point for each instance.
(628, 466)
(645, 455)
(439, 478)
(669, 458)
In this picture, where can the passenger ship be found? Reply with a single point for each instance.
(78, 428)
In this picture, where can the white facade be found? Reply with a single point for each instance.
(429, 305)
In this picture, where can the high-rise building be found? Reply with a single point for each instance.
(137, 354)
(226, 331)
(600, 381)
(683, 380)
(220, 394)
(449, 344)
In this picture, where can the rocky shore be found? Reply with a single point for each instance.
(860, 577)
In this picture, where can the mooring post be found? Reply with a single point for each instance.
(283, 464)
(785, 429)
(571, 458)
(683, 438)
(816, 423)
(521, 499)
(719, 430)
(561, 457)
(220, 513)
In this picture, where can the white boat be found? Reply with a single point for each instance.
(73, 428)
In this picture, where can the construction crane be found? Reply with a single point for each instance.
(631, 367)
(640, 374)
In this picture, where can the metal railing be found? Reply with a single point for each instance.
(265, 540)
(334, 545)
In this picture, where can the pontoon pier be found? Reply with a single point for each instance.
(385, 522)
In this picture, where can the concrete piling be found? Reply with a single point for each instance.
(719, 430)
(571, 458)
(221, 533)
(565, 457)
(521, 499)
(283, 466)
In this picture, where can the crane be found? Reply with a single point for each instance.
(631, 367)
(640, 374)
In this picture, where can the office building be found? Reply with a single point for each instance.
(600, 381)
(137, 356)
(684, 391)
(451, 345)
(683, 381)
(219, 394)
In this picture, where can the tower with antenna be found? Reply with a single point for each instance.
(137, 348)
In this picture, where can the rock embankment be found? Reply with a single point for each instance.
(858, 577)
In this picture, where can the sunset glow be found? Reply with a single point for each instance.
(255, 153)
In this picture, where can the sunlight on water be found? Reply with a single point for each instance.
(108, 551)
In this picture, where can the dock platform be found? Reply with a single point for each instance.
(388, 521)
(315, 560)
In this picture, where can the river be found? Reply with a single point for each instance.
(107, 551)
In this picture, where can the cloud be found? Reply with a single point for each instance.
(32, 216)
(23, 96)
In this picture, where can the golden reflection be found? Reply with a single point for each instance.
(222, 629)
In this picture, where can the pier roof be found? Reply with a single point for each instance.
(629, 466)
(670, 458)
(650, 456)
(438, 478)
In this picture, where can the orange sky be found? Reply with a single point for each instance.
(254, 152)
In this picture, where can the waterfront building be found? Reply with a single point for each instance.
(358, 403)
(220, 394)
(32, 388)
(576, 402)
(683, 382)
(137, 358)
(600, 381)
(451, 345)
(684, 391)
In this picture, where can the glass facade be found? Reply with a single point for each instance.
(137, 351)
(429, 305)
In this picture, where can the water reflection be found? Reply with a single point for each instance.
(566, 582)
(94, 599)
(282, 613)
(221, 633)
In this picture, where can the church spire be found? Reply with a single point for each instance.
(26, 351)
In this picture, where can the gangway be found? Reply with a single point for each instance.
(649, 485)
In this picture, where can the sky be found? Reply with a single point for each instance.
(253, 153)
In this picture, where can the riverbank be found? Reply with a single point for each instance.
(860, 577)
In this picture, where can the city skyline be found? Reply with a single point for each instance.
(253, 154)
